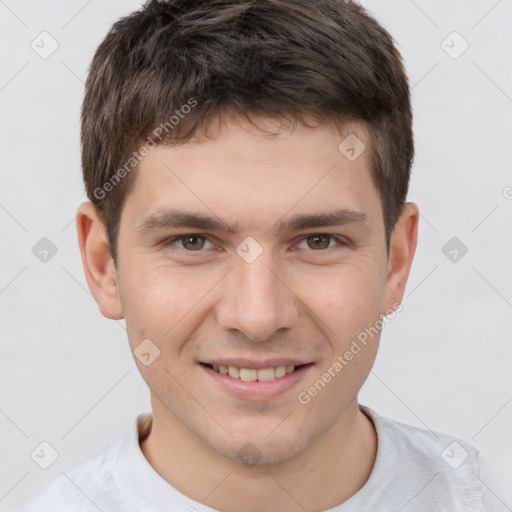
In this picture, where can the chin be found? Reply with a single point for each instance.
(258, 451)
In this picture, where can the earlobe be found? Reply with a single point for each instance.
(99, 269)
(401, 253)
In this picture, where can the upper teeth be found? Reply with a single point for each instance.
(250, 374)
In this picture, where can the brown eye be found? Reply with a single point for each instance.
(318, 241)
(193, 242)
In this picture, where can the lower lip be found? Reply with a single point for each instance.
(256, 390)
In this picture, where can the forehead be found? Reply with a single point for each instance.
(242, 172)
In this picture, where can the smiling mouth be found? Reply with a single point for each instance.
(251, 374)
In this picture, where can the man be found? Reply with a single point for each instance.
(247, 164)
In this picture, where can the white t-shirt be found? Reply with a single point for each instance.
(415, 470)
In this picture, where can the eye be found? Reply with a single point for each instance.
(320, 241)
(191, 242)
(195, 242)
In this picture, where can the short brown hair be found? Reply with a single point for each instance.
(287, 59)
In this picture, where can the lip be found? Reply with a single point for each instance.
(257, 390)
(255, 365)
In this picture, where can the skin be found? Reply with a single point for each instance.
(303, 297)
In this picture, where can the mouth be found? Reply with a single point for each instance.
(253, 374)
(255, 381)
(249, 379)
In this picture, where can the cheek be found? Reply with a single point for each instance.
(347, 298)
(160, 301)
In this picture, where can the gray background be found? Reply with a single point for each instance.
(67, 375)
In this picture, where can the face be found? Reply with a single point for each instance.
(264, 257)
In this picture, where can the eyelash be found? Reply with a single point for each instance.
(341, 242)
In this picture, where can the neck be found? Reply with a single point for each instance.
(327, 473)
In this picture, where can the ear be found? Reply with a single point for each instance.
(402, 247)
(97, 261)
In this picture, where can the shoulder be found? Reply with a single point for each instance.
(494, 472)
(446, 469)
(432, 467)
(496, 477)
(77, 488)
(424, 445)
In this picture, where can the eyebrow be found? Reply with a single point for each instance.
(175, 218)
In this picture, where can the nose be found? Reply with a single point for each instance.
(257, 301)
